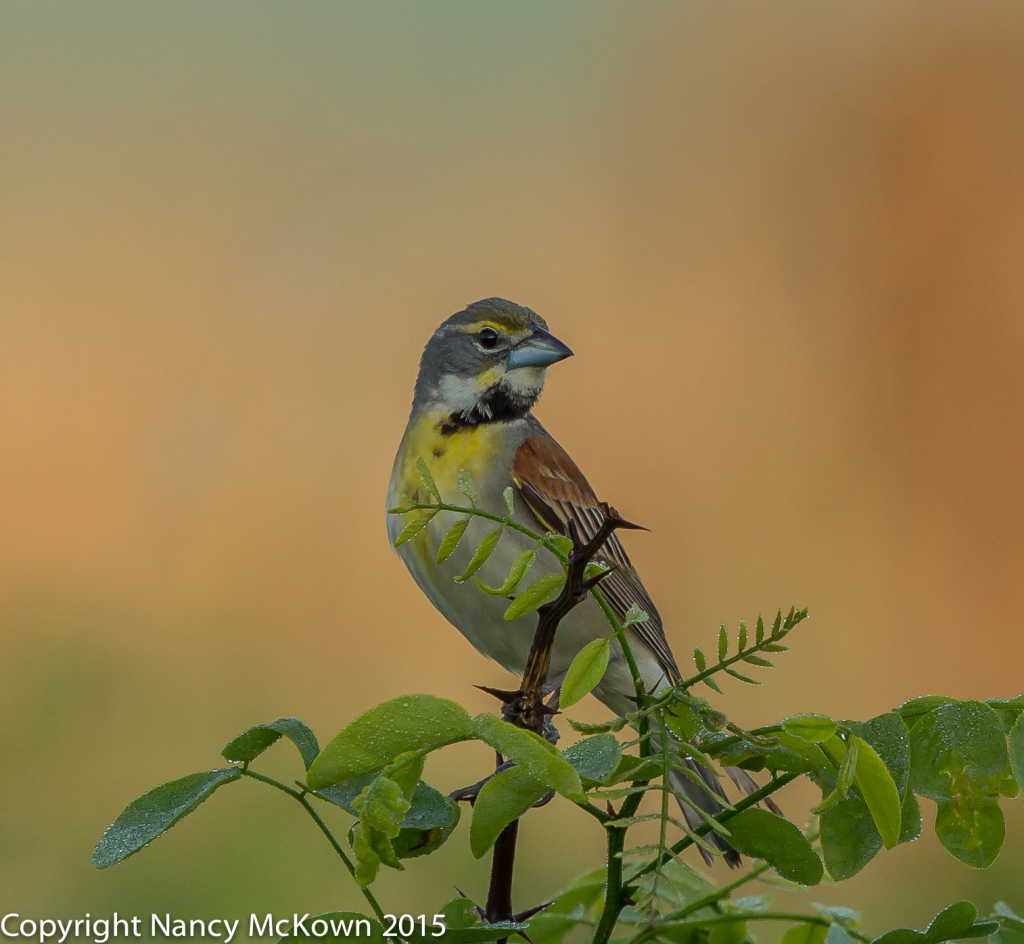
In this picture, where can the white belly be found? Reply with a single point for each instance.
(480, 616)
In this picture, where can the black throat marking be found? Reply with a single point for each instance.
(498, 405)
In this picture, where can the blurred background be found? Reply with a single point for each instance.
(788, 236)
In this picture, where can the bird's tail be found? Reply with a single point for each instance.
(691, 795)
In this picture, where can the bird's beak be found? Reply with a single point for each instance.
(538, 349)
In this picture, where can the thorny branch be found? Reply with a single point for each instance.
(525, 707)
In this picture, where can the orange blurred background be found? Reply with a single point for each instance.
(784, 241)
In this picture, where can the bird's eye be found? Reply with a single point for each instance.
(488, 338)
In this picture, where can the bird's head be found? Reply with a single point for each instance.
(487, 363)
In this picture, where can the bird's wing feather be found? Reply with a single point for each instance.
(556, 491)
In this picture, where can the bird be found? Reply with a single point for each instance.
(480, 375)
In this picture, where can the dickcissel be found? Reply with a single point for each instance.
(480, 375)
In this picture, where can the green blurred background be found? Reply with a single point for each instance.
(784, 240)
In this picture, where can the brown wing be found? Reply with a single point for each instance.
(555, 490)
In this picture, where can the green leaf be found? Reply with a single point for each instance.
(415, 522)
(1009, 710)
(910, 819)
(848, 768)
(504, 798)
(595, 759)
(759, 662)
(912, 711)
(382, 806)
(723, 642)
(804, 934)
(740, 677)
(507, 494)
(515, 575)
(971, 829)
(763, 835)
(837, 914)
(751, 904)
(958, 748)
(734, 932)
(683, 721)
(741, 643)
(1011, 925)
(253, 742)
(699, 660)
(634, 615)
(810, 727)
(483, 551)
(1017, 751)
(888, 735)
(837, 934)
(560, 542)
(585, 671)
(368, 861)
(153, 813)
(426, 478)
(879, 793)
(538, 757)
(759, 635)
(451, 539)
(340, 925)
(901, 936)
(542, 590)
(466, 485)
(405, 771)
(959, 759)
(377, 737)
(429, 821)
(951, 923)
(849, 838)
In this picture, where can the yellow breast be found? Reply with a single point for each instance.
(474, 448)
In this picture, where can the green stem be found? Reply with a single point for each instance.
(727, 663)
(652, 932)
(308, 807)
(722, 817)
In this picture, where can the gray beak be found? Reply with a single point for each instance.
(540, 349)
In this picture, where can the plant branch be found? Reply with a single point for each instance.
(308, 807)
(525, 708)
